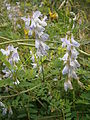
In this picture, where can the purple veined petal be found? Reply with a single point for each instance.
(76, 63)
(11, 48)
(5, 52)
(40, 28)
(36, 14)
(74, 43)
(45, 47)
(63, 39)
(42, 22)
(33, 24)
(44, 36)
(65, 69)
(15, 56)
(26, 20)
(10, 61)
(34, 65)
(65, 57)
(64, 45)
(37, 42)
(66, 86)
(74, 53)
(73, 74)
(68, 47)
(33, 58)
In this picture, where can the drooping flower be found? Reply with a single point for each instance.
(38, 27)
(12, 58)
(4, 109)
(71, 64)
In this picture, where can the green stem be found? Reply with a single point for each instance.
(42, 70)
(15, 41)
(83, 52)
(22, 92)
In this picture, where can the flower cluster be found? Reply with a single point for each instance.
(70, 60)
(12, 57)
(37, 28)
(5, 110)
(13, 13)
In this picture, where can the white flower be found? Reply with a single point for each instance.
(67, 85)
(7, 73)
(27, 21)
(5, 52)
(15, 56)
(4, 109)
(65, 69)
(65, 57)
(74, 43)
(71, 64)
(34, 65)
(17, 82)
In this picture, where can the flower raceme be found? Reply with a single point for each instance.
(12, 57)
(70, 60)
(36, 26)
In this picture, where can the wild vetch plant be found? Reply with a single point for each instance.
(12, 57)
(70, 60)
(32, 79)
(37, 29)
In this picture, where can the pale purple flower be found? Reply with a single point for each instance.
(67, 85)
(65, 69)
(74, 43)
(71, 64)
(27, 22)
(5, 52)
(17, 82)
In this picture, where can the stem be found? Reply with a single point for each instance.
(42, 70)
(14, 41)
(25, 91)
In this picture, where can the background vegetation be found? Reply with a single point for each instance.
(44, 97)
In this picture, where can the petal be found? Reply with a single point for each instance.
(70, 84)
(44, 36)
(65, 57)
(65, 70)
(74, 43)
(5, 52)
(66, 86)
(37, 43)
(74, 75)
(36, 14)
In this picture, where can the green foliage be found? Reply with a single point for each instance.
(41, 95)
